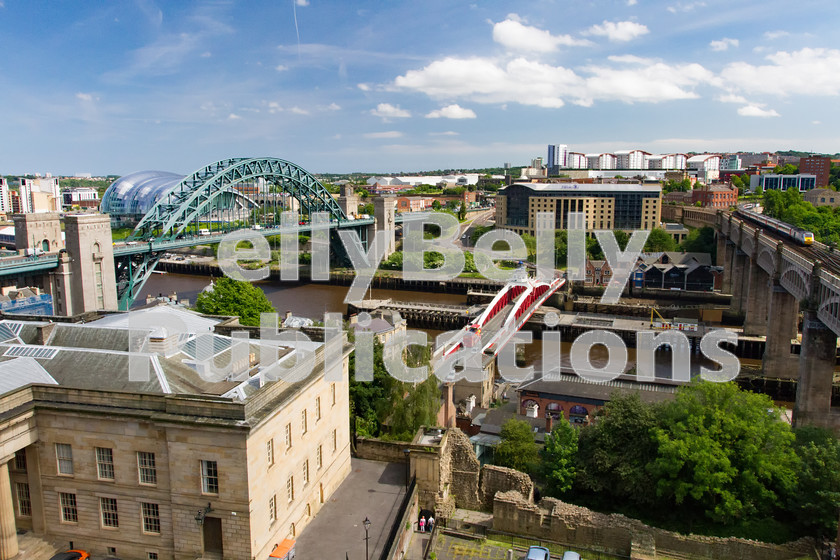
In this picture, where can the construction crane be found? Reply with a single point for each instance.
(665, 323)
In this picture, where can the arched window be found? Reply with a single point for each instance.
(45, 246)
(578, 410)
(96, 248)
(553, 407)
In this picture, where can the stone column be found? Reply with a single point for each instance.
(729, 248)
(720, 257)
(783, 312)
(8, 530)
(816, 371)
(758, 297)
(739, 271)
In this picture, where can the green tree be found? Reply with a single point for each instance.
(371, 401)
(418, 406)
(660, 240)
(723, 453)
(622, 238)
(614, 451)
(557, 458)
(814, 504)
(234, 298)
(462, 212)
(700, 241)
(517, 450)
(435, 204)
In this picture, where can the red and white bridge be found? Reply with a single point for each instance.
(509, 310)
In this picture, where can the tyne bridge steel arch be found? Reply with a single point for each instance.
(199, 195)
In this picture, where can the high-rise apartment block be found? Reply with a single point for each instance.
(40, 195)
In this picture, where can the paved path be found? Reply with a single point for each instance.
(372, 489)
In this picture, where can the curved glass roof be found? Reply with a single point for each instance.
(134, 194)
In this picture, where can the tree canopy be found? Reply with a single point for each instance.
(788, 206)
(235, 298)
(517, 450)
(660, 240)
(558, 457)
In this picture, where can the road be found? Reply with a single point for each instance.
(481, 219)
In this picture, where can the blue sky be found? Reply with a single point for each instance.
(342, 86)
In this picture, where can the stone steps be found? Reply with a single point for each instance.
(32, 547)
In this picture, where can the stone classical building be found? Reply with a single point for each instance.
(116, 440)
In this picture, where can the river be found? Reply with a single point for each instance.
(313, 300)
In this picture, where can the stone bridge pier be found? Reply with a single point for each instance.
(783, 314)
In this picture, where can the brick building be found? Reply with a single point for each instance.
(715, 196)
(816, 165)
(822, 197)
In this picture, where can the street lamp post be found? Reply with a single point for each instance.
(407, 466)
(367, 526)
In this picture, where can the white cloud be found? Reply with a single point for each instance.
(84, 97)
(298, 111)
(389, 134)
(772, 35)
(723, 44)
(685, 6)
(363, 87)
(302, 2)
(452, 112)
(816, 122)
(333, 107)
(632, 2)
(274, 107)
(511, 33)
(804, 72)
(527, 82)
(756, 111)
(206, 54)
(619, 31)
(233, 117)
(445, 133)
(281, 68)
(732, 98)
(388, 111)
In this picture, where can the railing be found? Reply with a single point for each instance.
(398, 529)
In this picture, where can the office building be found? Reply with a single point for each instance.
(624, 206)
(5, 197)
(39, 195)
(134, 452)
(801, 182)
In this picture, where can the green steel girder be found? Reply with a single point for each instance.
(193, 196)
(132, 273)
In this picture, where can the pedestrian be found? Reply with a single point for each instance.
(832, 554)
(431, 523)
(422, 524)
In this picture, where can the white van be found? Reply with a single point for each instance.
(204, 231)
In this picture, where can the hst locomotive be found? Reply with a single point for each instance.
(747, 211)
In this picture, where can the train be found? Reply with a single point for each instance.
(747, 211)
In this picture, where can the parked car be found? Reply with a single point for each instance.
(538, 553)
(71, 555)
(569, 555)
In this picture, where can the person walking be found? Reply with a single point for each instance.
(422, 524)
(431, 524)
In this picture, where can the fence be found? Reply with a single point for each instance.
(401, 529)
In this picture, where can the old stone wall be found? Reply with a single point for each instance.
(464, 470)
(379, 450)
(502, 479)
(558, 521)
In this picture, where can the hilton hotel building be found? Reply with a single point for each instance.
(626, 206)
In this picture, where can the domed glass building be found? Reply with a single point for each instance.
(131, 196)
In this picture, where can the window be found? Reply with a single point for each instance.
(20, 461)
(303, 421)
(23, 500)
(152, 556)
(105, 463)
(319, 456)
(269, 451)
(272, 508)
(332, 389)
(290, 488)
(334, 441)
(64, 457)
(317, 408)
(306, 472)
(151, 518)
(209, 477)
(288, 436)
(146, 467)
(69, 513)
(108, 508)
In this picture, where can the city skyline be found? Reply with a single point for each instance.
(378, 88)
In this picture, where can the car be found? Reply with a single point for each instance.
(71, 555)
(570, 555)
(538, 553)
